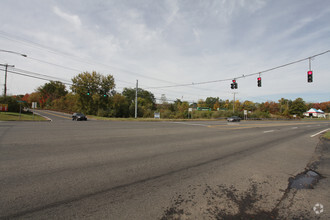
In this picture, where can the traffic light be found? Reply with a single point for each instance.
(232, 86)
(259, 81)
(310, 76)
(88, 93)
(105, 95)
(235, 84)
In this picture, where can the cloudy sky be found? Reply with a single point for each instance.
(169, 43)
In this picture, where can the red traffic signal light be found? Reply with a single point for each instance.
(234, 84)
(259, 81)
(310, 76)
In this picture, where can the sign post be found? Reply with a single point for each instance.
(34, 106)
(190, 110)
(20, 108)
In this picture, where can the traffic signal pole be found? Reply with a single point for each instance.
(234, 101)
(136, 99)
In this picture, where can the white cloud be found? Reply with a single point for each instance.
(175, 42)
(73, 19)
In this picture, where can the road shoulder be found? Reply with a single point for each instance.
(311, 203)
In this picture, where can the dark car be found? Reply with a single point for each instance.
(79, 117)
(234, 118)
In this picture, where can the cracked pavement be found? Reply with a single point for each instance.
(158, 170)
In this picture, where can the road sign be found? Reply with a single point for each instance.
(245, 112)
(4, 107)
(157, 115)
(34, 104)
(203, 109)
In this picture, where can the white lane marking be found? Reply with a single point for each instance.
(269, 131)
(294, 128)
(49, 119)
(319, 132)
(185, 123)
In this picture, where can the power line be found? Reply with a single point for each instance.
(36, 77)
(76, 58)
(39, 74)
(238, 77)
(70, 68)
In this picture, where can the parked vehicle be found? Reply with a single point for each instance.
(79, 117)
(234, 118)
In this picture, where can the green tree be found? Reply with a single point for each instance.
(248, 105)
(51, 91)
(298, 107)
(93, 90)
(211, 101)
(67, 103)
(146, 102)
(119, 106)
(129, 93)
(181, 109)
(201, 103)
(284, 106)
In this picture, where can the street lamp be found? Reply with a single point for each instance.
(9, 51)
(6, 67)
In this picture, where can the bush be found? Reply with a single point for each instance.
(103, 113)
(166, 114)
(259, 114)
(148, 113)
(13, 105)
(202, 114)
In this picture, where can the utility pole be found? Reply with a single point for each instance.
(6, 69)
(6, 65)
(136, 98)
(234, 101)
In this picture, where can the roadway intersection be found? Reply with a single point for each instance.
(155, 170)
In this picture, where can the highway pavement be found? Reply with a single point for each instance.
(64, 169)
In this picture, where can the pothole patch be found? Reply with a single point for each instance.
(305, 180)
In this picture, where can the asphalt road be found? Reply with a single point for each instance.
(66, 169)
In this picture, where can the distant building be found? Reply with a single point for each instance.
(315, 113)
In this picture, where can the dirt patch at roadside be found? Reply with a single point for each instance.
(229, 202)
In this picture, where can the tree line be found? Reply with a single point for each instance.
(95, 94)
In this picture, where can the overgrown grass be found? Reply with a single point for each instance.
(13, 116)
(327, 135)
(315, 119)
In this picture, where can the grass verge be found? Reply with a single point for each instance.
(315, 119)
(327, 135)
(13, 116)
(145, 119)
